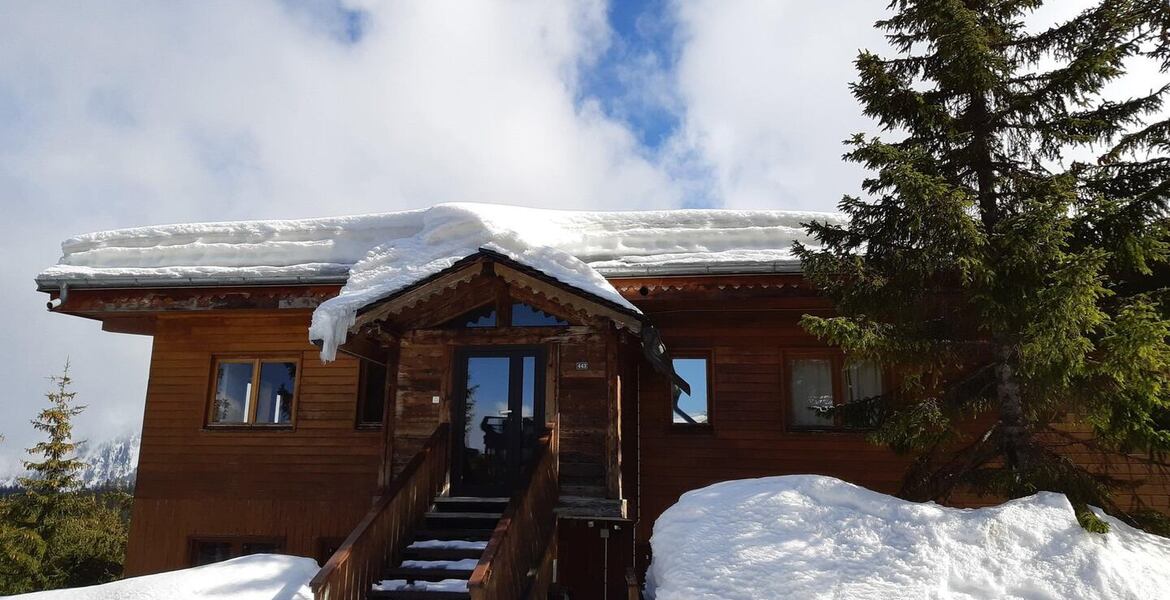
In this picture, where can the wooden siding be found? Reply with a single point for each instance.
(749, 332)
(311, 481)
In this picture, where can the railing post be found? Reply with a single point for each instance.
(356, 565)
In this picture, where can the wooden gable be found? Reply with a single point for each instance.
(488, 278)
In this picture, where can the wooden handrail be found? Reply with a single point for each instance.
(633, 590)
(522, 536)
(373, 544)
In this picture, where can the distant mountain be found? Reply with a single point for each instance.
(112, 463)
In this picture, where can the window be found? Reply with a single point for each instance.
(484, 316)
(826, 394)
(692, 408)
(253, 391)
(211, 550)
(372, 395)
(524, 315)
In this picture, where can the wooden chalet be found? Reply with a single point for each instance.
(487, 402)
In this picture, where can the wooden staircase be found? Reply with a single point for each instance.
(444, 552)
(445, 547)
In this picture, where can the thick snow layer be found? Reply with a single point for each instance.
(449, 233)
(807, 536)
(612, 242)
(255, 577)
(380, 254)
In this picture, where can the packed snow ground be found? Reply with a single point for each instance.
(813, 537)
(255, 577)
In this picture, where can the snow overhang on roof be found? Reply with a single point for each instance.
(376, 255)
(322, 251)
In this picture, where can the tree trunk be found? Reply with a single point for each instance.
(1011, 411)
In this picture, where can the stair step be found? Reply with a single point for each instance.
(418, 595)
(595, 491)
(470, 500)
(490, 516)
(474, 534)
(441, 553)
(416, 574)
(449, 504)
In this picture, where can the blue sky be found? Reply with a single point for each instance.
(126, 113)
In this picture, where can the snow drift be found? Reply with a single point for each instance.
(807, 536)
(255, 577)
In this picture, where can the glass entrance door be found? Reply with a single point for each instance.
(499, 410)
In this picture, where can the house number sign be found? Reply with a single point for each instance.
(582, 366)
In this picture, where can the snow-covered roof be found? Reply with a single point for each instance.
(615, 243)
(814, 537)
(377, 255)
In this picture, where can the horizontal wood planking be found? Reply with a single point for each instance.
(161, 529)
(748, 436)
(313, 480)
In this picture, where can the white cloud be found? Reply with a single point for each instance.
(767, 104)
(118, 114)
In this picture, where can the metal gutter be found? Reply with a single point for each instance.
(56, 284)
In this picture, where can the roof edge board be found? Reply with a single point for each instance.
(53, 284)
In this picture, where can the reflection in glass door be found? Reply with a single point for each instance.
(500, 414)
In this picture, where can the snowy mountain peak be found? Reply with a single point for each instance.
(113, 462)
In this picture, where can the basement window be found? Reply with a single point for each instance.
(693, 408)
(205, 551)
(253, 391)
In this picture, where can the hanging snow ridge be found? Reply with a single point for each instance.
(449, 234)
(378, 254)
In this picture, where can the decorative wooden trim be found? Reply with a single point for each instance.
(568, 298)
(413, 296)
(99, 302)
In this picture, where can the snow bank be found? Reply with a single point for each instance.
(255, 577)
(807, 536)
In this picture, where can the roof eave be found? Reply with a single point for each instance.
(54, 284)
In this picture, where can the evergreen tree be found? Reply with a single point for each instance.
(1009, 287)
(19, 549)
(47, 488)
(53, 533)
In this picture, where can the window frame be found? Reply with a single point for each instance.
(359, 407)
(502, 307)
(235, 542)
(707, 354)
(256, 360)
(837, 362)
